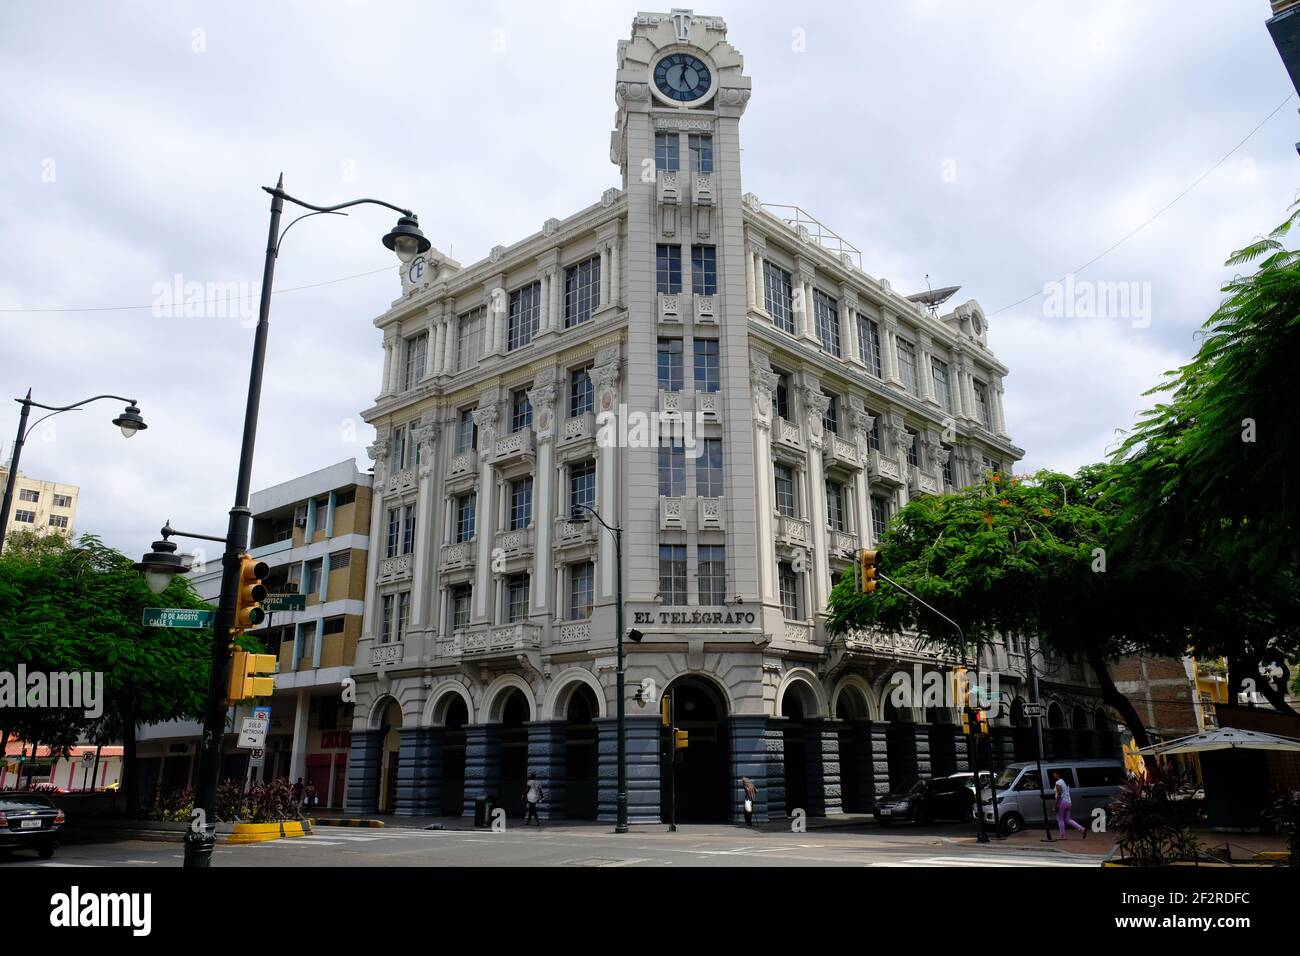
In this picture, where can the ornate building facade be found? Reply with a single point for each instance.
(719, 379)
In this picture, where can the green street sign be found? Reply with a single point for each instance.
(284, 602)
(177, 617)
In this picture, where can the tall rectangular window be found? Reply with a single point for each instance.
(708, 366)
(668, 269)
(582, 579)
(869, 344)
(314, 571)
(827, 313)
(788, 583)
(394, 532)
(466, 430)
(521, 410)
(704, 270)
(466, 506)
(912, 458)
(784, 481)
(581, 291)
(672, 469)
(907, 365)
(579, 391)
(982, 403)
(403, 613)
(778, 296)
(517, 598)
(836, 513)
(462, 599)
(879, 517)
(949, 479)
(417, 352)
(708, 470)
(873, 436)
(831, 417)
(387, 607)
(582, 485)
(666, 152)
(524, 314)
(469, 338)
(711, 574)
(670, 365)
(781, 396)
(672, 573)
(700, 147)
(408, 529)
(521, 503)
(939, 374)
(399, 448)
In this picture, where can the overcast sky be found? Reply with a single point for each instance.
(996, 151)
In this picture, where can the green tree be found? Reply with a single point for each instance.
(1209, 470)
(79, 609)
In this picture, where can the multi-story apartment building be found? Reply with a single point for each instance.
(720, 380)
(43, 506)
(314, 534)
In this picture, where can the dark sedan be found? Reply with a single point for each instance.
(925, 800)
(29, 821)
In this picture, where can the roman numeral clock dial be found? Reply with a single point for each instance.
(682, 77)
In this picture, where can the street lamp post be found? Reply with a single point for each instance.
(576, 514)
(129, 421)
(406, 240)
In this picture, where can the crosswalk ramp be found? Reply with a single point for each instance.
(1000, 859)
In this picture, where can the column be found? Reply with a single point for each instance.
(604, 380)
(485, 416)
(453, 336)
(879, 757)
(751, 297)
(816, 403)
(386, 387)
(604, 275)
(378, 452)
(414, 773)
(298, 744)
(1002, 743)
(889, 344)
(546, 754)
(774, 744)
(922, 737)
(822, 760)
(849, 319)
(616, 270)
(999, 411)
(426, 551)
(766, 506)
(482, 763)
(542, 398)
(437, 344)
(642, 769)
(363, 771)
(925, 368)
(749, 759)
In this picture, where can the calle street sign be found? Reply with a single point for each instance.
(177, 617)
(284, 602)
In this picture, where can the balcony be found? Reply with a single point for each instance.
(668, 190)
(703, 189)
(458, 556)
(708, 406)
(396, 568)
(578, 428)
(840, 451)
(670, 307)
(884, 469)
(922, 483)
(401, 481)
(515, 544)
(575, 632)
(670, 406)
(570, 534)
(841, 541)
(384, 654)
(671, 515)
(704, 310)
(462, 463)
(786, 434)
(709, 514)
(797, 632)
(517, 446)
(794, 532)
(505, 639)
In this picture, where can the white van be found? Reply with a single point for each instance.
(1092, 783)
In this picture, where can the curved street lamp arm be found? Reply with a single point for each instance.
(285, 230)
(32, 427)
(68, 408)
(278, 191)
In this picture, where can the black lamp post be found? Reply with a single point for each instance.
(407, 242)
(577, 514)
(129, 421)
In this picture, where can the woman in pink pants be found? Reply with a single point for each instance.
(1063, 807)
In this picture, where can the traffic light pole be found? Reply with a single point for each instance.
(672, 762)
(1038, 739)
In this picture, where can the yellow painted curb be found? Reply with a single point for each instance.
(291, 828)
(348, 822)
(254, 833)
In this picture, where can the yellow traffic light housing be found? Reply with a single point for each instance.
(867, 560)
(252, 592)
(683, 740)
(665, 710)
(251, 675)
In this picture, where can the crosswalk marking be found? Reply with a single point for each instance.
(987, 861)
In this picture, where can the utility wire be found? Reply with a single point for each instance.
(1159, 212)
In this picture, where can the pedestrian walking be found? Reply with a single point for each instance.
(751, 795)
(309, 798)
(1063, 807)
(533, 795)
(297, 793)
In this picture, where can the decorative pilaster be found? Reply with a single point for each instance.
(482, 763)
(642, 769)
(485, 417)
(822, 760)
(749, 759)
(542, 397)
(425, 437)
(364, 764)
(763, 381)
(416, 786)
(605, 386)
(774, 745)
(816, 402)
(546, 753)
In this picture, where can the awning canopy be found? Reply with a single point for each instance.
(1225, 738)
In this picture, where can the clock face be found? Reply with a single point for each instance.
(682, 77)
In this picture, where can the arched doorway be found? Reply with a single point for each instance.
(796, 706)
(943, 734)
(1058, 731)
(581, 777)
(390, 749)
(900, 745)
(452, 793)
(702, 776)
(1083, 736)
(514, 752)
(857, 778)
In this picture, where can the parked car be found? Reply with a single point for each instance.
(1020, 798)
(29, 820)
(927, 800)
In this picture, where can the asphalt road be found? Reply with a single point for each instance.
(574, 846)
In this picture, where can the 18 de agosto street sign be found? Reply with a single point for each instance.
(177, 617)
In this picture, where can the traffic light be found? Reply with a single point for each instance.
(251, 675)
(974, 720)
(867, 575)
(252, 592)
(683, 740)
(665, 710)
